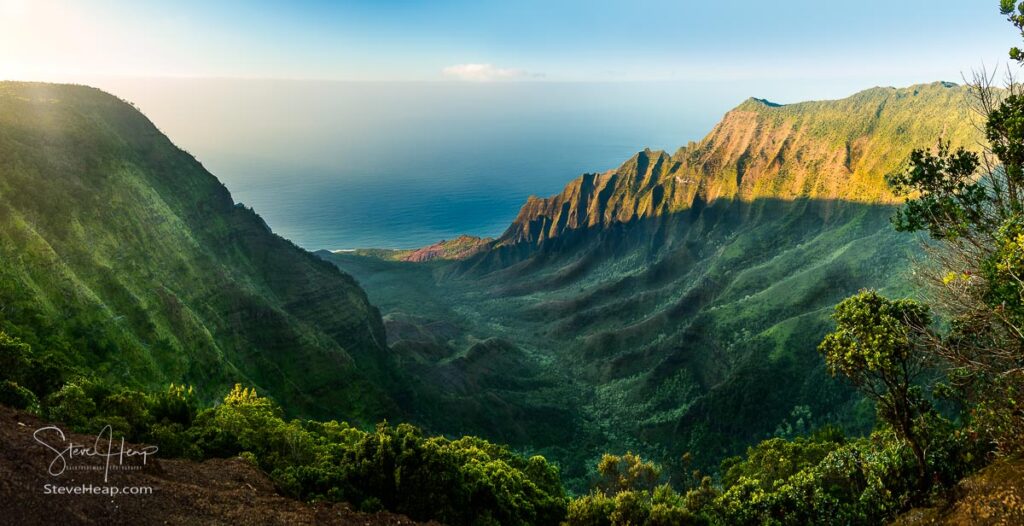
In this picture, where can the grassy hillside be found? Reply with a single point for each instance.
(672, 305)
(123, 255)
(677, 301)
(826, 150)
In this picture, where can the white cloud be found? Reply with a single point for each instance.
(484, 73)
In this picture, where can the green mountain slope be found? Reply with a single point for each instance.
(677, 301)
(670, 305)
(122, 254)
(830, 150)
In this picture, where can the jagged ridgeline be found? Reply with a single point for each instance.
(122, 255)
(671, 305)
(675, 304)
(828, 150)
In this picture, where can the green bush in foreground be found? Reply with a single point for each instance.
(823, 478)
(16, 396)
(464, 481)
(398, 468)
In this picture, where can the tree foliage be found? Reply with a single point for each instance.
(877, 346)
(971, 204)
(950, 202)
(1014, 12)
(399, 468)
(627, 472)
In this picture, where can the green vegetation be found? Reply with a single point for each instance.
(639, 306)
(670, 309)
(823, 479)
(971, 204)
(398, 468)
(876, 346)
(123, 256)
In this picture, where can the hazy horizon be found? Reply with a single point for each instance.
(440, 118)
(343, 165)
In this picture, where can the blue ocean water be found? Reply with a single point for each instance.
(334, 165)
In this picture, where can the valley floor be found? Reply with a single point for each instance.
(640, 337)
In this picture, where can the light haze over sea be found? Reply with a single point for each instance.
(341, 165)
(431, 119)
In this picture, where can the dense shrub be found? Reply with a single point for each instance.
(71, 405)
(16, 396)
(465, 481)
(657, 507)
(19, 364)
(398, 468)
(821, 479)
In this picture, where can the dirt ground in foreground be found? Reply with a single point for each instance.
(220, 491)
(993, 496)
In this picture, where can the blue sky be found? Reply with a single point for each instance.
(507, 99)
(867, 41)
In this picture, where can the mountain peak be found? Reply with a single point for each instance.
(928, 88)
(754, 103)
(826, 150)
(107, 206)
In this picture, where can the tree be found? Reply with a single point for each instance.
(877, 347)
(14, 357)
(627, 472)
(178, 404)
(971, 205)
(628, 493)
(1015, 14)
(71, 405)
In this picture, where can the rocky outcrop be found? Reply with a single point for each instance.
(459, 248)
(826, 150)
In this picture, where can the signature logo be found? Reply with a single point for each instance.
(54, 439)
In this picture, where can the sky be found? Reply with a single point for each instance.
(396, 123)
(869, 42)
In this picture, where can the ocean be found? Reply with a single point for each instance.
(342, 165)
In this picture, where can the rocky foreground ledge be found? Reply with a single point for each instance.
(218, 491)
(993, 496)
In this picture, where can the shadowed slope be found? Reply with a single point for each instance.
(829, 150)
(122, 255)
(681, 297)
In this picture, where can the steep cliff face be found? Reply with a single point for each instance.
(676, 302)
(632, 192)
(122, 255)
(829, 150)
